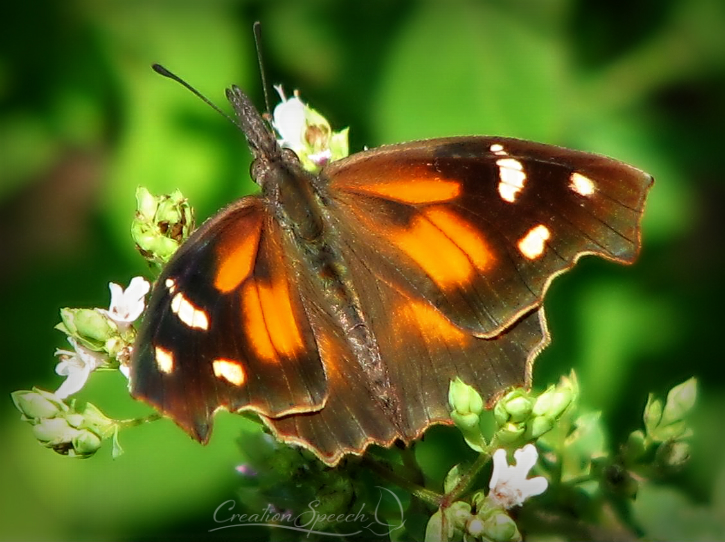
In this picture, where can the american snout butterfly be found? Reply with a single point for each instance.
(339, 306)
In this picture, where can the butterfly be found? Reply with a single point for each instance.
(338, 306)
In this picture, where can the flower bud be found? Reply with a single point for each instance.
(91, 328)
(161, 224)
(86, 443)
(519, 408)
(652, 413)
(680, 401)
(539, 426)
(464, 399)
(673, 454)
(511, 432)
(543, 402)
(499, 527)
(36, 404)
(52, 431)
(636, 446)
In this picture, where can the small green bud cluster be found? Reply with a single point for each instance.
(65, 429)
(161, 225)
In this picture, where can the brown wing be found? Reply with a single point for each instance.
(479, 226)
(225, 327)
(423, 352)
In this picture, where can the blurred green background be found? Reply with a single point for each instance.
(84, 121)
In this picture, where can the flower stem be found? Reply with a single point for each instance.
(133, 422)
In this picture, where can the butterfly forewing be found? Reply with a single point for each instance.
(227, 328)
(478, 226)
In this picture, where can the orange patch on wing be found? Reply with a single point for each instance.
(236, 260)
(447, 248)
(431, 322)
(422, 190)
(463, 234)
(270, 320)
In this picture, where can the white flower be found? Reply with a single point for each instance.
(509, 485)
(290, 122)
(76, 367)
(307, 133)
(127, 305)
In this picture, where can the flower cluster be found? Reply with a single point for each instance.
(100, 339)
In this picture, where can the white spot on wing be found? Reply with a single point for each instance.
(170, 285)
(164, 360)
(512, 178)
(188, 313)
(497, 148)
(229, 370)
(581, 184)
(533, 243)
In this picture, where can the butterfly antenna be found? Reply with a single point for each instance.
(257, 28)
(158, 68)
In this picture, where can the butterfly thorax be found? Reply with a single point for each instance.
(303, 211)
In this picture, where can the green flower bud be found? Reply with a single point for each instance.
(561, 400)
(161, 224)
(680, 401)
(458, 514)
(672, 431)
(539, 426)
(511, 432)
(475, 527)
(465, 422)
(519, 408)
(672, 454)
(543, 402)
(74, 419)
(464, 399)
(89, 326)
(86, 443)
(500, 414)
(146, 204)
(636, 446)
(499, 527)
(652, 413)
(514, 407)
(36, 404)
(52, 431)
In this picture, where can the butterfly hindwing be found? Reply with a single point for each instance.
(422, 352)
(479, 226)
(228, 329)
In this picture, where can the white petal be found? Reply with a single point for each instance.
(76, 367)
(116, 294)
(138, 288)
(289, 121)
(500, 466)
(76, 377)
(526, 458)
(536, 486)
